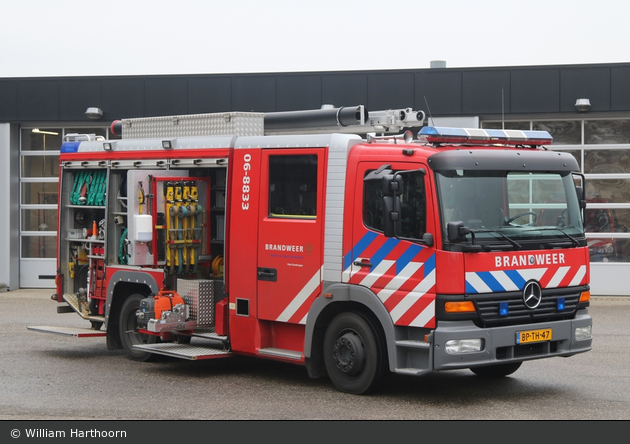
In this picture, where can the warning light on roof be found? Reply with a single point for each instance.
(433, 134)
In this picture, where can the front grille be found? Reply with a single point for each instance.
(518, 313)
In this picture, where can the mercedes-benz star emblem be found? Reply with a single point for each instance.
(532, 294)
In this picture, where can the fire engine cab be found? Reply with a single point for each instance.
(337, 239)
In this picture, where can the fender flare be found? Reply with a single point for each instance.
(128, 276)
(357, 294)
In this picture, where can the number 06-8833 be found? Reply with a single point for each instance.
(247, 166)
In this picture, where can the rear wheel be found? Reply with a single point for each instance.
(129, 334)
(355, 354)
(496, 371)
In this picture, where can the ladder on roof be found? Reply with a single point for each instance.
(328, 119)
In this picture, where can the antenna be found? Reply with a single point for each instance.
(502, 110)
(429, 111)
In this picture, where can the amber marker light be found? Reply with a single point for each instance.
(585, 296)
(459, 307)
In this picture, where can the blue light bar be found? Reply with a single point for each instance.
(69, 147)
(434, 134)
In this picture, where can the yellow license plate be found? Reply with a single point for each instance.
(525, 337)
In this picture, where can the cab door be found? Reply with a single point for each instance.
(290, 249)
(400, 270)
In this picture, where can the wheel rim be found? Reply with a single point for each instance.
(349, 353)
(135, 337)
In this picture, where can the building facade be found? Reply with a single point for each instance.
(586, 108)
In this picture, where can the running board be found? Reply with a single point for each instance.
(184, 351)
(76, 332)
(281, 353)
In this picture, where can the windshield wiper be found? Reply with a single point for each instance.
(574, 241)
(515, 244)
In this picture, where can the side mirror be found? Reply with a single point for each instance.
(581, 197)
(391, 216)
(427, 239)
(456, 231)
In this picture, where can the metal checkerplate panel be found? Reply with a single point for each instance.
(77, 332)
(199, 295)
(214, 124)
(184, 351)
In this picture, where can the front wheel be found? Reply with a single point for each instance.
(355, 354)
(129, 334)
(496, 371)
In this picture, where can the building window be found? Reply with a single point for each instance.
(39, 183)
(606, 132)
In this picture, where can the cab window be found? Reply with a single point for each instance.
(413, 205)
(293, 186)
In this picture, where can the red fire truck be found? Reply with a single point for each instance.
(337, 239)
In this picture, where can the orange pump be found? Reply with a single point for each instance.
(165, 300)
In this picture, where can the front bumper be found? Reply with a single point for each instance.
(500, 342)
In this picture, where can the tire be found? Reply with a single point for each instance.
(355, 354)
(497, 370)
(129, 335)
(96, 325)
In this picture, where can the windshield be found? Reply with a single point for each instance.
(511, 207)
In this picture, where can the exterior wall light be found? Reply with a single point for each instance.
(94, 113)
(582, 105)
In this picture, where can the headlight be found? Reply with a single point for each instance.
(456, 346)
(583, 333)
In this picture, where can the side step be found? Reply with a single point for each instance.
(76, 332)
(411, 371)
(417, 353)
(281, 353)
(184, 351)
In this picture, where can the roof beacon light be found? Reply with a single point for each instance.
(433, 134)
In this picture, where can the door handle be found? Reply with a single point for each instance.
(268, 274)
(363, 263)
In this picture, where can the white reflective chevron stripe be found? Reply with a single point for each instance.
(577, 279)
(377, 273)
(532, 273)
(475, 282)
(301, 297)
(504, 280)
(557, 278)
(474, 279)
(401, 278)
(424, 317)
(421, 289)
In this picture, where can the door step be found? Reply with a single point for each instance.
(76, 332)
(184, 351)
(81, 307)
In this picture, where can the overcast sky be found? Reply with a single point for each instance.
(129, 37)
